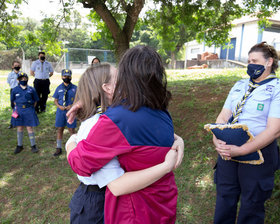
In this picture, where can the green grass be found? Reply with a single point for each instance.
(37, 188)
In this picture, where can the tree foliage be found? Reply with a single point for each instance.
(169, 24)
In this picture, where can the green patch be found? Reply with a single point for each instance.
(260, 106)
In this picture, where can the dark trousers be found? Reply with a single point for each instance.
(42, 87)
(87, 206)
(12, 103)
(252, 184)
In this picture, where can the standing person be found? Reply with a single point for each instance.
(95, 61)
(138, 129)
(64, 96)
(42, 70)
(12, 80)
(87, 204)
(25, 99)
(253, 184)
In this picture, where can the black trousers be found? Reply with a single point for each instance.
(42, 87)
(12, 103)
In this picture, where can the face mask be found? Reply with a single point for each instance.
(23, 83)
(42, 58)
(17, 68)
(66, 80)
(255, 70)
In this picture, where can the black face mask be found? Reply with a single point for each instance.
(23, 83)
(42, 58)
(66, 80)
(17, 68)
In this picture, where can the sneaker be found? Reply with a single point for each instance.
(58, 152)
(11, 126)
(18, 149)
(34, 149)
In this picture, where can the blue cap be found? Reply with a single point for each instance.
(67, 72)
(21, 75)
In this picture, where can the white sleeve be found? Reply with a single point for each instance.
(111, 171)
(108, 173)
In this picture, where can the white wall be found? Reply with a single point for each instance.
(250, 38)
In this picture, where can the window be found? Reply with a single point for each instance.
(195, 50)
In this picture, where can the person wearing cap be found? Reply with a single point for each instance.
(63, 98)
(42, 70)
(24, 98)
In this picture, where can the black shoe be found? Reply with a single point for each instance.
(58, 152)
(18, 149)
(11, 126)
(34, 149)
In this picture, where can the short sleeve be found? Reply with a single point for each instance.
(274, 110)
(50, 66)
(33, 66)
(55, 95)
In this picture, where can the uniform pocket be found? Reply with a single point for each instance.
(76, 208)
(263, 190)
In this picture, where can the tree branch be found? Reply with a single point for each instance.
(132, 17)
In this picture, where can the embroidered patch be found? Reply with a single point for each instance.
(260, 106)
(269, 88)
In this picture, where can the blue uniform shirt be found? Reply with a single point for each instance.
(12, 79)
(24, 97)
(262, 103)
(41, 69)
(65, 94)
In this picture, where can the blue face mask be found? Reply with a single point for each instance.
(23, 83)
(255, 70)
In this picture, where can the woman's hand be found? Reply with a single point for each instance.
(71, 143)
(179, 146)
(171, 159)
(71, 114)
(229, 151)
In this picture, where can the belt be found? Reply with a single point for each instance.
(93, 187)
(25, 106)
(42, 79)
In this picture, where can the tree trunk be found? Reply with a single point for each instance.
(173, 59)
(121, 35)
(121, 45)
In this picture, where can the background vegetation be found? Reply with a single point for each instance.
(37, 188)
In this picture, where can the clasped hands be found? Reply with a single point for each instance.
(227, 151)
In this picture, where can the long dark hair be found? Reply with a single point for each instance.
(141, 80)
(268, 52)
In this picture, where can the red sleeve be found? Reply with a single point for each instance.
(104, 142)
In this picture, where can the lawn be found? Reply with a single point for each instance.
(37, 188)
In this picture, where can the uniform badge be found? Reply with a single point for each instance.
(269, 88)
(260, 106)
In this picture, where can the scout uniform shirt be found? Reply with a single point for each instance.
(41, 69)
(262, 103)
